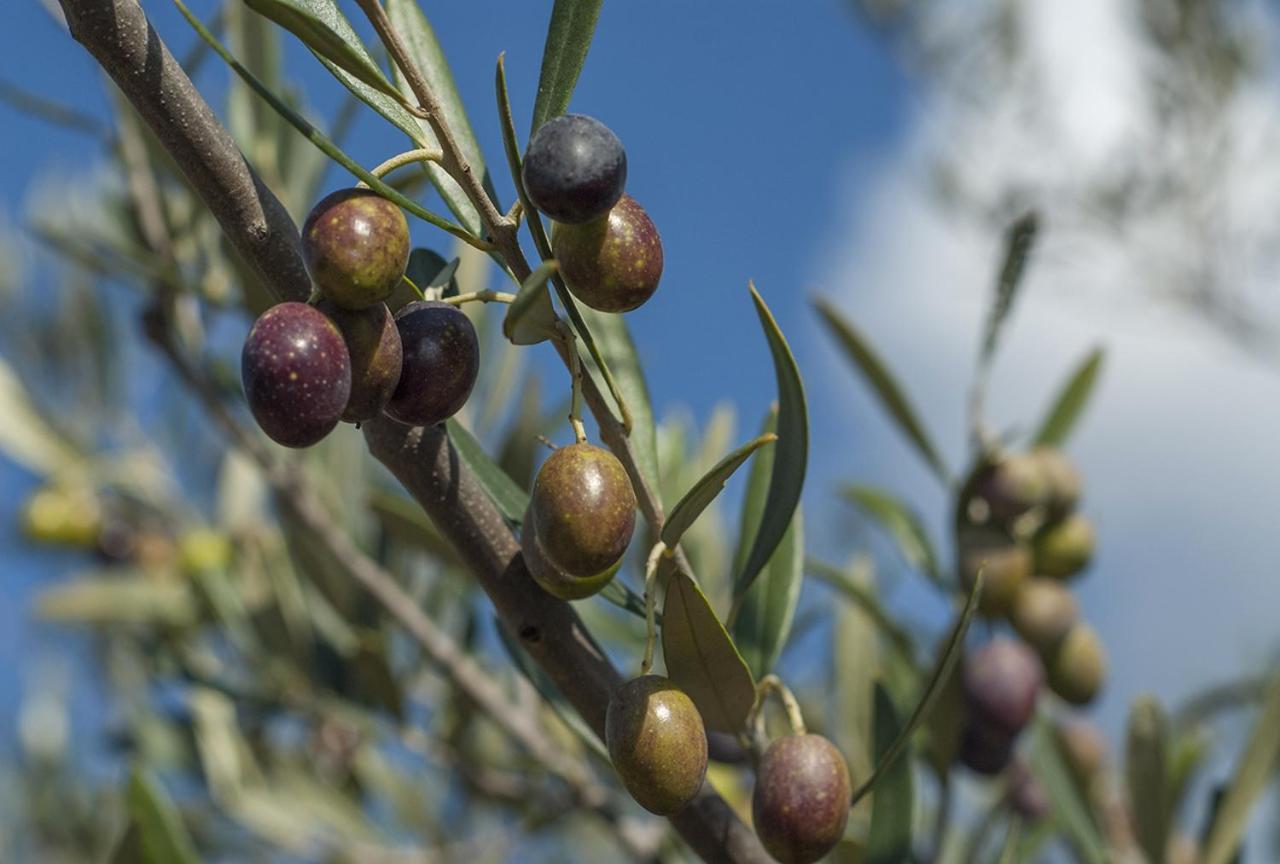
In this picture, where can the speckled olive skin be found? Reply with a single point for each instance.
(1043, 613)
(584, 509)
(1078, 666)
(657, 743)
(613, 264)
(1004, 563)
(575, 169)
(1062, 482)
(1012, 486)
(373, 342)
(356, 246)
(801, 800)
(441, 363)
(296, 374)
(551, 577)
(1002, 681)
(1065, 548)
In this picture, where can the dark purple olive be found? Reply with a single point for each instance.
(296, 374)
(356, 246)
(575, 169)
(614, 263)
(657, 743)
(441, 363)
(985, 749)
(801, 801)
(373, 341)
(1002, 681)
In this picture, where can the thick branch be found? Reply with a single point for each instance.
(118, 35)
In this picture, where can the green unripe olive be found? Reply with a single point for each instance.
(801, 801)
(356, 245)
(1078, 666)
(657, 743)
(614, 263)
(1062, 481)
(62, 517)
(1043, 612)
(1005, 565)
(1011, 487)
(584, 510)
(1064, 548)
(553, 578)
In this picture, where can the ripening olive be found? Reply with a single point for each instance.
(1002, 681)
(373, 342)
(356, 245)
(1005, 565)
(1078, 666)
(1011, 487)
(296, 373)
(553, 578)
(1064, 548)
(1043, 612)
(801, 800)
(584, 509)
(440, 366)
(612, 264)
(575, 169)
(657, 742)
(1062, 481)
(1027, 795)
(985, 749)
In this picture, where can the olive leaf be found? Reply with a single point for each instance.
(790, 456)
(882, 381)
(1051, 768)
(411, 24)
(624, 598)
(892, 805)
(1254, 772)
(509, 497)
(1147, 773)
(573, 24)
(1018, 243)
(865, 598)
(531, 318)
(711, 484)
(902, 524)
(941, 671)
(164, 839)
(1071, 400)
(119, 598)
(701, 658)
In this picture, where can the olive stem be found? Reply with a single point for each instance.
(773, 684)
(660, 549)
(575, 378)
(406, 158)
(485, 296)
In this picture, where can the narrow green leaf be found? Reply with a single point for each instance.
(855, 668)
(573, 23)
(412, 25)
(307, 20)
(617, 593)
(893, 804)
(531, 318)
(865, 599)
(1051, 768)
(164, 838)
(701, 658)
(1071, 400)
(624, 376)
(769, 606)
(319, 139)
(26, 436)
(547, 688)
(711, 484)
(902, 524)
(1019, 240)
(941, 670)
(120, 599)
(790, 456)
(429, 269)
(510, 498)
(1255, 771)
(1147, 772)
(886, 387)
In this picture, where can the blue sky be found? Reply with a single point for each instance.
(784, 143)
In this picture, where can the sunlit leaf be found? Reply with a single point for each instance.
(573, 24)
(531, 318)
(510, 498)
(118, 599)
(894, 801)
(1070, 401)
(164, 839)
(769, 606)
(701, 658)
(25, 436)
(1051, 768)
(883, 383)
(902, 524)
(711, 484)
(790, 454)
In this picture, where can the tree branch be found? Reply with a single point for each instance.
(118, 35)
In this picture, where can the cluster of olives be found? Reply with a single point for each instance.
(306, 367)
(609, 251)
